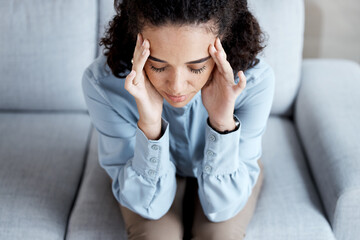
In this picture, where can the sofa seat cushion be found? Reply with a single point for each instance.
(96, 213)
(42, 159)
(289, 206)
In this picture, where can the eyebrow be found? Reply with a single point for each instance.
(191, 62)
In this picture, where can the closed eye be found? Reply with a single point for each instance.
(157, 69)
(196, 71)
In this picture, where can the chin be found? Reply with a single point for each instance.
(177, 104)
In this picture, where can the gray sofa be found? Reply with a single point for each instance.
(52, 186)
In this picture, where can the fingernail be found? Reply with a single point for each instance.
(143, 44)
(143, 53)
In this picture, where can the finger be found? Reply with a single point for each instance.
(137, 45)
(142, 56)
(129, 80)
(224, 66)
(219, 46)
(222, 62)
(221, 54)
(139, 41)
(242, 81)
(212, 52)
(215, 55)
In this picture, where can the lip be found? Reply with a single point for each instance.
(177, 98)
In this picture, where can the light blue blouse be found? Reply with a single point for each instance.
(143, 171)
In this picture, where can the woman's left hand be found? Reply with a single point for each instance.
(220, 92)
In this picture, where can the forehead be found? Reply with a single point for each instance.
(179, 44)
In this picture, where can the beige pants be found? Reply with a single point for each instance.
(171, 225)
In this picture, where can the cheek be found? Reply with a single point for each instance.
(154, 77)
(202, 81)
(205, 77)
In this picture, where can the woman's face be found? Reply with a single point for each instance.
(179, 64)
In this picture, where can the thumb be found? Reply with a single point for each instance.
(242, 81)
(129, 80)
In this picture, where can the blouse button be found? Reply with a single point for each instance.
(210, 153)
(207, 169)
(153, 160)
(155, 147)
(212, 138)
(151, 172)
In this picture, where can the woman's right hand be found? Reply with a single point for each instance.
(149, 102)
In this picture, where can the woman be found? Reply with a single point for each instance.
(180, 100)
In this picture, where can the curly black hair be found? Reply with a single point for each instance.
(237, 28)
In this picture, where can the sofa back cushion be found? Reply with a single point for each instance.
(106, 14)
(45, 47)
(283, 23)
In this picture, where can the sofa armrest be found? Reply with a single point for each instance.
(327, 118)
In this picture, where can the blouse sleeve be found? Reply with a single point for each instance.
(229, 169)
(142, 173)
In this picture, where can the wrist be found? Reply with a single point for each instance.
(223, 125)
(151, 130)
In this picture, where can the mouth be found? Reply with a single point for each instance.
(176, 98)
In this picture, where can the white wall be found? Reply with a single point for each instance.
(332, 29)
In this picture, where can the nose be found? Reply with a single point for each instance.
(177, 83)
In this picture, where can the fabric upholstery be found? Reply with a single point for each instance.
(106, 12)
(45, 47)
(289, 206)
(288, 199)
(283, 23)
(327, 117)
(96, 213)
(42, 158)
